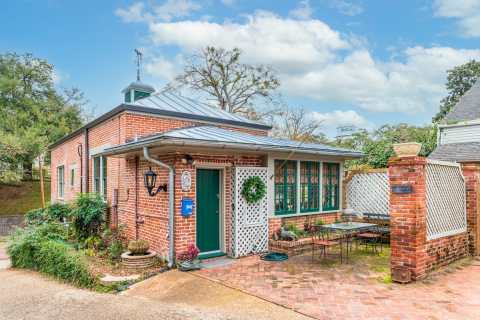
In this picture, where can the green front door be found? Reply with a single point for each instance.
(208, 210)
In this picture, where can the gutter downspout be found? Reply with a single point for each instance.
(171, 199)
(87, 163)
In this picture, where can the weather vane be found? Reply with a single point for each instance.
(139, 61)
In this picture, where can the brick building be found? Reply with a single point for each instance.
(199, 158)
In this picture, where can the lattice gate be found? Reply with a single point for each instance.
(249, 221)
(445, 193)
(368, 191)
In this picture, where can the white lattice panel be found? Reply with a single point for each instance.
(368, 192)
(250, 221)
(445, 191)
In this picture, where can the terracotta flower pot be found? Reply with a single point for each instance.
(409, 149)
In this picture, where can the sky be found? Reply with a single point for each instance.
(348, 62)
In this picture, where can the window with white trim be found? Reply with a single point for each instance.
(60, 182)
(100, 175)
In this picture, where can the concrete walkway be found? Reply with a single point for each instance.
(4, 260)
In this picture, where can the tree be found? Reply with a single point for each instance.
(32, 113)
(459, 80)
(233, 85)
(295, 124)
(378, 145)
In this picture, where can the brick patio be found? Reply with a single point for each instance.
(351, 292)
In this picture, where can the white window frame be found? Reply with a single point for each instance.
(101, 178)
(61, 182)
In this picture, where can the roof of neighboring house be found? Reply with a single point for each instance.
(209, 136)
(173, 105)
(468, 107)
(459, 152)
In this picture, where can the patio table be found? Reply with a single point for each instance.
(348, 229)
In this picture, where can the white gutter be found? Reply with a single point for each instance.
(171, 204)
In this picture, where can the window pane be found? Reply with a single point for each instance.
(104, 176)
(96, 174)
(285, 186)
(72, 177)
(309, 186)
(60, 181)
(331, 186)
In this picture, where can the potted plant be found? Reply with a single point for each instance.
(409, 149)
(188, 260)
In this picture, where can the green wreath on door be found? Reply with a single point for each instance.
(253, 189)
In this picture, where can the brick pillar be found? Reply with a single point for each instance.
(471, 172)
(408, 216)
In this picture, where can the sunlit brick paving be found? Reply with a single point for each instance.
(360, 290)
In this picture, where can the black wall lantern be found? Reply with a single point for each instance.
(150, 179)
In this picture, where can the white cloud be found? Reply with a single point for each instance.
(345, 7)
(303, 11)
(331, 120)
(412, 86)
(466, 11)
(134, 13)
(167, 11)
(289, 45)
(175, 9)
(162, 68)
(316, 61)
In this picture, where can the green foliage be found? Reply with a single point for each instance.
(60, 260)
(43, 247)
(378, 145)
(295, 230)
(459, 80)
(25, 243)
(115, 250)
(88, 215)
(254, 189)
(32, 114)
(56, 212)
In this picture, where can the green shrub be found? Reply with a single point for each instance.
(88, 215)
(24, 243)
(55, 212)
(115, 250)
(59, 211)
(36, 216)
(60, 260)
(43, 247)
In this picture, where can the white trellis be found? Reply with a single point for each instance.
(445, 192)
(368, 192)
(249, 221)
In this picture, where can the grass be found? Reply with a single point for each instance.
(22, 198)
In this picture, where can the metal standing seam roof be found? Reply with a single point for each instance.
(170, 104)
(215, 136)
(168, 101)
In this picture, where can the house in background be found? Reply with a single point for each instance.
(195, 161)
(459, 135)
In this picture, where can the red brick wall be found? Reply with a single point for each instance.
(67, 155)
(153, 211)
(471, 172)
(408, 226)
(134, 204)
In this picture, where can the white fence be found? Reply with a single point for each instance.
(250, 221)
(445, 192)
(368, 192)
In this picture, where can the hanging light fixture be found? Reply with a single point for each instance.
(150, 179)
